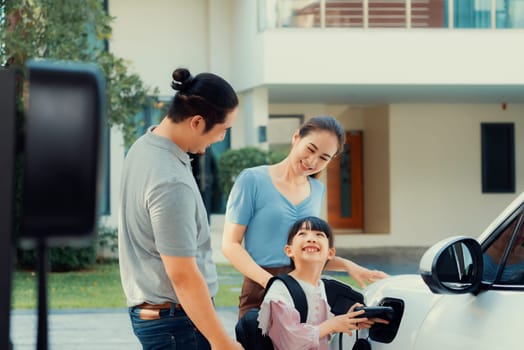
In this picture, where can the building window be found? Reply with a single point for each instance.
(498, 157)
(475, 14)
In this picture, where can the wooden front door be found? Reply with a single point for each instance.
(344, 185)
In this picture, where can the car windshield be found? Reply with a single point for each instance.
(504, 257)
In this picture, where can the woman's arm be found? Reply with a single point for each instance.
(235, 252)
(359, 273)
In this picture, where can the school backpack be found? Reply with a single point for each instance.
(340, 298)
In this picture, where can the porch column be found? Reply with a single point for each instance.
(254, 115)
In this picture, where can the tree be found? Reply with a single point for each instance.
(69, 30)
(74, 31)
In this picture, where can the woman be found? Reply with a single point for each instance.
(265, 201)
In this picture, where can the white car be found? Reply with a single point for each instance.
(469, 294)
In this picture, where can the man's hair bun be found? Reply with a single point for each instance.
(182, 79)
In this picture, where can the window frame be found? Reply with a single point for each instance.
(490, 164)
(496, 282)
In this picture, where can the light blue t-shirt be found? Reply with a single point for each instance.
(255, 202)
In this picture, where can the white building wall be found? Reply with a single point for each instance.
(116, 146)
(158, 36)
(376, 174)
(436, 169)
(324, 56)
(370, 56)
(220, 27)
(247, 59)
(254, 112)
(435, 173)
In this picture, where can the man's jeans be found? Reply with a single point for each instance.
(172, 331)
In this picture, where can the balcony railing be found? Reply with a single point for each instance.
(485, 14)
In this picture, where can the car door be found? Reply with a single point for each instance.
(489, 319)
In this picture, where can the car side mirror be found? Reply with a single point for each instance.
(453, 265)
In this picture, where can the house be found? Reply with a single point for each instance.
(431, 93)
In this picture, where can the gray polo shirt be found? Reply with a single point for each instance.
(161, 212)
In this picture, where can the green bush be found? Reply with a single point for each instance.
(233, 161)
(61, 259)
(276, 156)
(103, 248)
(107, 244)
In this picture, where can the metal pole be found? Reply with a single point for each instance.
(365, 14)
(451, 13)
(408, 14)
(279, 13)
(42, 257)
(8, 93)
(322, 13)
(493, 14)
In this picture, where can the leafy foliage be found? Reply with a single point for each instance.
(60, 258)
(233, 161)
(78, 31)
(102, 249)
(73, 31)
(108, 244)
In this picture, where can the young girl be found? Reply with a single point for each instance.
(310, 246)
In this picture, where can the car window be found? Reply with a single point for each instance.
(504, 257)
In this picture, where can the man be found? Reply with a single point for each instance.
(166, 266)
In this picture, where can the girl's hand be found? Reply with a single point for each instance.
(369, 321)
(347, 322)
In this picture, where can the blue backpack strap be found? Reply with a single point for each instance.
(296, 291)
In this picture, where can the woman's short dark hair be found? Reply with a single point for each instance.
(205, 94)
